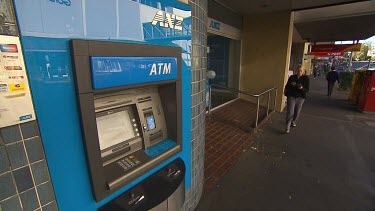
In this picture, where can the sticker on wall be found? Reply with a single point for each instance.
(3, 88)
(17, 87)
(15, 99)
(11, 48)
(11, 62)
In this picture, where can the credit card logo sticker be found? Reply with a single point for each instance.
(10, 57)
(3, 88)
(10, 48)
(12, 67)
(29, 116)
(17, 87)
(17, 77)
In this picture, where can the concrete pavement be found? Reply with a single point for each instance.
(326, 163)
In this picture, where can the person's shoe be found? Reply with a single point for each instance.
(287, 131)
(294, 125)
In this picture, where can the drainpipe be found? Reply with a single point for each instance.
(350, 60)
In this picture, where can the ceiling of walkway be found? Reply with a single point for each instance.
(264, 6)
(317, 20)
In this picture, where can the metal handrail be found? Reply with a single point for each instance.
(248, 94)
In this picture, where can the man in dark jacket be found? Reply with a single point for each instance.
(332, 77)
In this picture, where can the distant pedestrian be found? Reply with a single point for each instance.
(315, 71)
(295, 91)
(332, 77)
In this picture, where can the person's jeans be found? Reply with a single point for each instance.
(294, 106)
(331, 84)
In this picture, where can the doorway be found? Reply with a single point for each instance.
(223, 57)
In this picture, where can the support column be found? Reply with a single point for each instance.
(299, 57)
(306, 62)
(267, 40)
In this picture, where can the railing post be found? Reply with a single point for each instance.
(209, 100)
(268, 102)
(248, 94)
(256, 121)
(274, 104)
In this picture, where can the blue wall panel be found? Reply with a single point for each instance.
(50, 18)
(128, 28)
(57, 113)
(30, 16)
(101, 18)
(55, 21)
(52, 85)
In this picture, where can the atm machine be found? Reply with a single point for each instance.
(129, 97)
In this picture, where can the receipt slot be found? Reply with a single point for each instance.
(130, 107)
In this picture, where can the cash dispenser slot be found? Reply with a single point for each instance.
(162, 186)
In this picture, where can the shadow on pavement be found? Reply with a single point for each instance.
(326, 163)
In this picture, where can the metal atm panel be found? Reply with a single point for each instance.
(127, 121)
(152, 117)
(130, 112)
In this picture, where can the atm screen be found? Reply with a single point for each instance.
(114, 128)
(150, 121)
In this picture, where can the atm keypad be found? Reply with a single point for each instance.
(128, 162)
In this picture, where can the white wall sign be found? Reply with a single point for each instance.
(15, 100)
(222, 29)
(184, 1)
(168, 20)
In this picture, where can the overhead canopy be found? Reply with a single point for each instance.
(318, 20)
(344, 22)
(248, 7)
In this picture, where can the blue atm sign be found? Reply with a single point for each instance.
(110, 72)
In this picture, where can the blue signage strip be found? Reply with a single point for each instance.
(110, 72)
(160, 148)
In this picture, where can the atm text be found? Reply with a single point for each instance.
(162, 69)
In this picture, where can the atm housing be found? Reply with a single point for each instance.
(130, 129)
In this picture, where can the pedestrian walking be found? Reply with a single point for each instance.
(315, 71)
(332, 77)
(295, 91)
